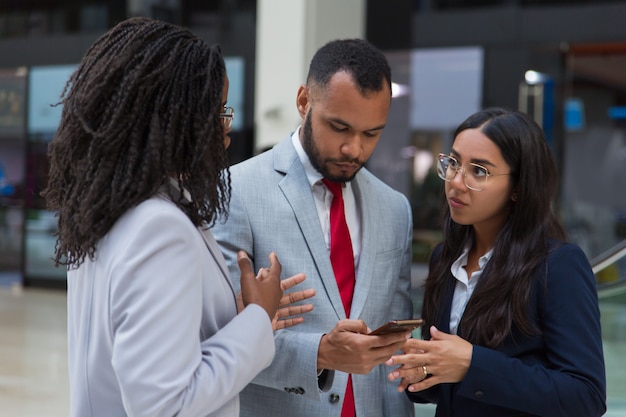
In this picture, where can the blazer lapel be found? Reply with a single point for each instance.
(216, 253)
(294, 187)
(369, 216)
(207, 237)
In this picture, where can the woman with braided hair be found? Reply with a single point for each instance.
(138, 171)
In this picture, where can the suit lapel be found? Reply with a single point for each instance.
(369, 225)
(293, 185)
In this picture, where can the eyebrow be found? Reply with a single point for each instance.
(346, 124)
(473, 161)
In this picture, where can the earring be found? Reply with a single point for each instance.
(514, 197)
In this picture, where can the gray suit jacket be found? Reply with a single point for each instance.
(272, 209)
(153, 325)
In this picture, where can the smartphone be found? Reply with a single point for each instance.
(396, 326)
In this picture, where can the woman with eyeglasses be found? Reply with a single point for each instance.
(511, 309)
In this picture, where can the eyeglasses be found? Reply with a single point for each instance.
(448, 167)
(227, 118)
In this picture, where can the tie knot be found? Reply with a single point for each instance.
(334, 187)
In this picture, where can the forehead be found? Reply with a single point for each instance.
(472, 144)
(342, 99)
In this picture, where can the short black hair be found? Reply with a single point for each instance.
(366, 63)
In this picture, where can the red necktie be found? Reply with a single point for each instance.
(342, 259)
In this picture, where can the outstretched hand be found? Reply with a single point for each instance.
(283, 317)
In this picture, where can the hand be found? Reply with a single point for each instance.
(445, 358)
(285, 310)
(263, 289)
(348, 347)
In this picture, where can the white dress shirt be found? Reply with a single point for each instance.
(464, 285)
(323, 200)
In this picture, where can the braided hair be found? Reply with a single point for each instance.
(142, 106)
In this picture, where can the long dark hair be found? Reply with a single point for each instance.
(501, 297)
(142, 106)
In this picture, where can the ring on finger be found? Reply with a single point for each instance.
(425, 371)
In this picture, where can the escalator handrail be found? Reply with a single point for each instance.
(605, 259)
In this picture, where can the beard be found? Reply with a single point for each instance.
(317, 161)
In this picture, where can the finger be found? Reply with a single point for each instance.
(408, 360)
(292, 281)
(284, 323)
(437, 334)
(294, 310)
(418, 345)
(404, 383)
(275, 266)
(292, 297)
(263, 272)
(245, 265)
(351, 325)
(423, 384)
(384, 340)
(413, 376)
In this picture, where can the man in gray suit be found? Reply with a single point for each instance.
(280, 203)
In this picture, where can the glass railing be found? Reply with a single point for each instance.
(610, 270)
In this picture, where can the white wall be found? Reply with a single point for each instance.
(288, 34)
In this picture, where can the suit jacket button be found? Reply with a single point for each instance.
(479, 394)
(334, 398)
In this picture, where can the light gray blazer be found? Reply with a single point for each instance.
(153, 326)
(272, 209)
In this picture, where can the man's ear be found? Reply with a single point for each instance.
(303, 100)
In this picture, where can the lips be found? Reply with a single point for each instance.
(455, 202)
(347, 166)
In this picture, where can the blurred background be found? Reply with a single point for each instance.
(563, 62)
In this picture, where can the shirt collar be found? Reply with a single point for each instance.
(312, 174)
(462, 260)
(177, 191)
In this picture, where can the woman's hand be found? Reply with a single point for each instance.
(445, 358)
(264, 289)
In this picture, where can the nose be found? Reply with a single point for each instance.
(352, 147)
(459, 178)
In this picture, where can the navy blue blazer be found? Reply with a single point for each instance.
(557, 373)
